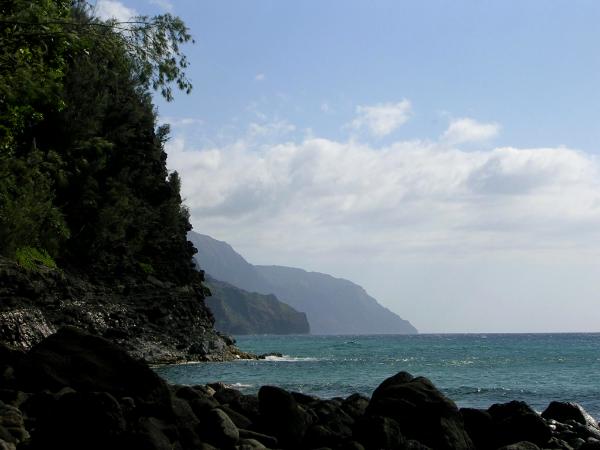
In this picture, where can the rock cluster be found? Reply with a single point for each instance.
(151, 319)
(74, 390)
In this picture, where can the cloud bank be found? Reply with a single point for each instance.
(318, 196)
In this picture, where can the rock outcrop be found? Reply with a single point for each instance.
(78, 391)
(157, 321)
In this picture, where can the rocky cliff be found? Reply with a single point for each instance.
(157, 321)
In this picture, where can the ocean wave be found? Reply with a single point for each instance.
(287, 358)
(240, 385)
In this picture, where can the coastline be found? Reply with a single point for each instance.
(76, 390)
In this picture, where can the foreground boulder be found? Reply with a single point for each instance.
(422, 412)
(516, 422)
(87, 363)
(565, 411)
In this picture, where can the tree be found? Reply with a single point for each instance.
(82, 130)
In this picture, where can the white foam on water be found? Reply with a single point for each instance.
(287, 358)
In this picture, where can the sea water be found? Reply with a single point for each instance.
(474, 370)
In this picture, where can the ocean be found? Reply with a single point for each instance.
(474, 370)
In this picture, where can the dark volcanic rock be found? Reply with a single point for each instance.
(89, 363)
(376, 432)
(523, 445)
(157, 321)
(422, 412)
(516, 421)
(565, 411)
(281, 416)
(480, 426)
(218, 429)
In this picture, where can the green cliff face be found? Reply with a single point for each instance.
(241, 312)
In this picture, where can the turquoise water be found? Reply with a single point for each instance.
(472, 369)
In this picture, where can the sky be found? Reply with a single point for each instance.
(442, 154)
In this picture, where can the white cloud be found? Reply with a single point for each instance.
(163, 4)
(468, 130)
(325, 107)
(260, 77)
(274, 128)
(320, 196)
(181, 121)
(113, 9)
(383, 118)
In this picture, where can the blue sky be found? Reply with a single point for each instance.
(533, 66)
(443, 154)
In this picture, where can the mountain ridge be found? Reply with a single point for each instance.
(332, 305)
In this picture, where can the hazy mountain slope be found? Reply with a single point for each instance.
(219, 260)
(332, 305)
(240, 312)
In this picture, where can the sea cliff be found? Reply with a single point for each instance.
(155, 320)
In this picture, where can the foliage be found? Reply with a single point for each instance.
(32, 258)
(82, 164)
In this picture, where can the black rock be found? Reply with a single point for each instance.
(376, 432)
(88, 363)
(516, 421)
(217, 429)
(565, 411)
(355, 405)
(265, 439)
(422, 412)
(523, 445)
(91, 420)
(480, 426)
(281, 416)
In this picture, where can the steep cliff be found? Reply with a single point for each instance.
(157, 321)
(332, 305)
(241, 312)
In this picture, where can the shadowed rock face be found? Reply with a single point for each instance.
(74, 390)
(421, 411)
(154, 320)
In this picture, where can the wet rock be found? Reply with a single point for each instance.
(92, 420)
(422, 412)
(377, 432)
(516, 421)
(87, 363)
(266, 440)
(355, 405)
(480, 426)
(281, 416)
(523, 445)
(12, 425)
(565, 411)
(238, 419)
(217, 429)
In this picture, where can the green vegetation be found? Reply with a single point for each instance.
(241, 312)
(83, 173)
(32, 258)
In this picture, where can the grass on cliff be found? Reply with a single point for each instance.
(32, 258)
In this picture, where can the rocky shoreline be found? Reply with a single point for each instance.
(151, 319)
(75, 390)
